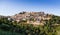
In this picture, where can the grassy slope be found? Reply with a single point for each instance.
(58, 30)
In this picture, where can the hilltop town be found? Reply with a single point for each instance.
(36, 18)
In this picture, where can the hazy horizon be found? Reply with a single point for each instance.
(11, 7)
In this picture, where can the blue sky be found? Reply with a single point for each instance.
(11, 7)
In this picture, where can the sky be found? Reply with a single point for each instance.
(11, 7)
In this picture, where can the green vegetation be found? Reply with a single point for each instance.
(9, 33)
(8, 27)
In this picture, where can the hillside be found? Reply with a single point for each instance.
(30, 23)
